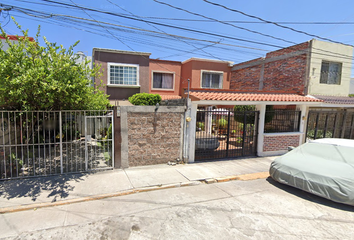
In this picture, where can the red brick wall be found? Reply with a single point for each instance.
(282, 75)
(287, 75)
(246, 79)
(279, 143)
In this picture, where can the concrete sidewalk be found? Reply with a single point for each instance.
(22, 194)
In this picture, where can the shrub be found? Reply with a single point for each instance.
(222, 123)
(201, 126)
(319, 134)
(145, 99)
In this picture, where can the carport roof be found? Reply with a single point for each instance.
(336, 99)
(230, 95)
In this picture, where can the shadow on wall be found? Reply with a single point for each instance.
(58, 187)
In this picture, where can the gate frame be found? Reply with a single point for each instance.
(254, 134)
(86, 147)
(261, 107)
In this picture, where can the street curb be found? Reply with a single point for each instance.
(35, 206)
(244, 177)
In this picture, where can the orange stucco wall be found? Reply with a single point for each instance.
(166, 66)
(192, 69)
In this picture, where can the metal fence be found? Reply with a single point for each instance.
(282, 121)
(224, 133)
(330, 124)
(46, 143)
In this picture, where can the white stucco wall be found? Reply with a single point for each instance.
(5, 46)
(331, 52)
(351, 88)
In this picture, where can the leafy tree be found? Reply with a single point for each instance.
(145, 99)
(34, 77)
(240, 109)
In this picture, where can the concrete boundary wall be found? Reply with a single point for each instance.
(151, 135)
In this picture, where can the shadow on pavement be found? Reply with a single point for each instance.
(310, 197)
(58, 186)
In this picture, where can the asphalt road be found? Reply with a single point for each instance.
(255, 209)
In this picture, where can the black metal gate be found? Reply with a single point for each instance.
(223, 133)
(330, 124)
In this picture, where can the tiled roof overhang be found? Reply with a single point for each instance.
(170, 97)
(229, 95)
(336, 100)
(15, 38)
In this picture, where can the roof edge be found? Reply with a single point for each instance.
(119, 51)
(208, 60)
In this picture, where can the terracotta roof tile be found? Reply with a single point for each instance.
(170, 97)
(227, 95)
(336, 100)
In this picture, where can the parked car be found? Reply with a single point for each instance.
(204, 141)
(324, 167)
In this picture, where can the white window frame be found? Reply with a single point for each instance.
(162, 89)
(221, 79)
(122, 65)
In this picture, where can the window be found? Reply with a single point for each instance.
(123, 74)
(162, 80)
(212, 80)
(331, 72)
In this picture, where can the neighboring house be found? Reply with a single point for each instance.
(12, 39)
(310, 68)
(351, 87)
(165, 78)
(293, 80)
(124, 73)
(206, 74)
(315, 68)
(82, 58)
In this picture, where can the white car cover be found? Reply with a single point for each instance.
(324, 167)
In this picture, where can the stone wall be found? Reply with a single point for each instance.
(273, 143)
(151, 137)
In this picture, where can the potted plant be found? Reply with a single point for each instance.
(222, 125)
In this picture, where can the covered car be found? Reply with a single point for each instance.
(324, 167)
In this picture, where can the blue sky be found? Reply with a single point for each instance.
(213, 40)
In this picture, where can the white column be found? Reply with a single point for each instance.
(303, 121)
(262, 110)
(208, 120)
(192, 129)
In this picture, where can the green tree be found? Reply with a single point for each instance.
(240, 109)
(34, 77)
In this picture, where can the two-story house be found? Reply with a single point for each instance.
(293, 79)
(316, 68)
(124, 73)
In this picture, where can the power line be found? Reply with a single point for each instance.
(336, 54)
(249, 22)
(267, 21)
(222, 22)
(179, 28)
(195, 48)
